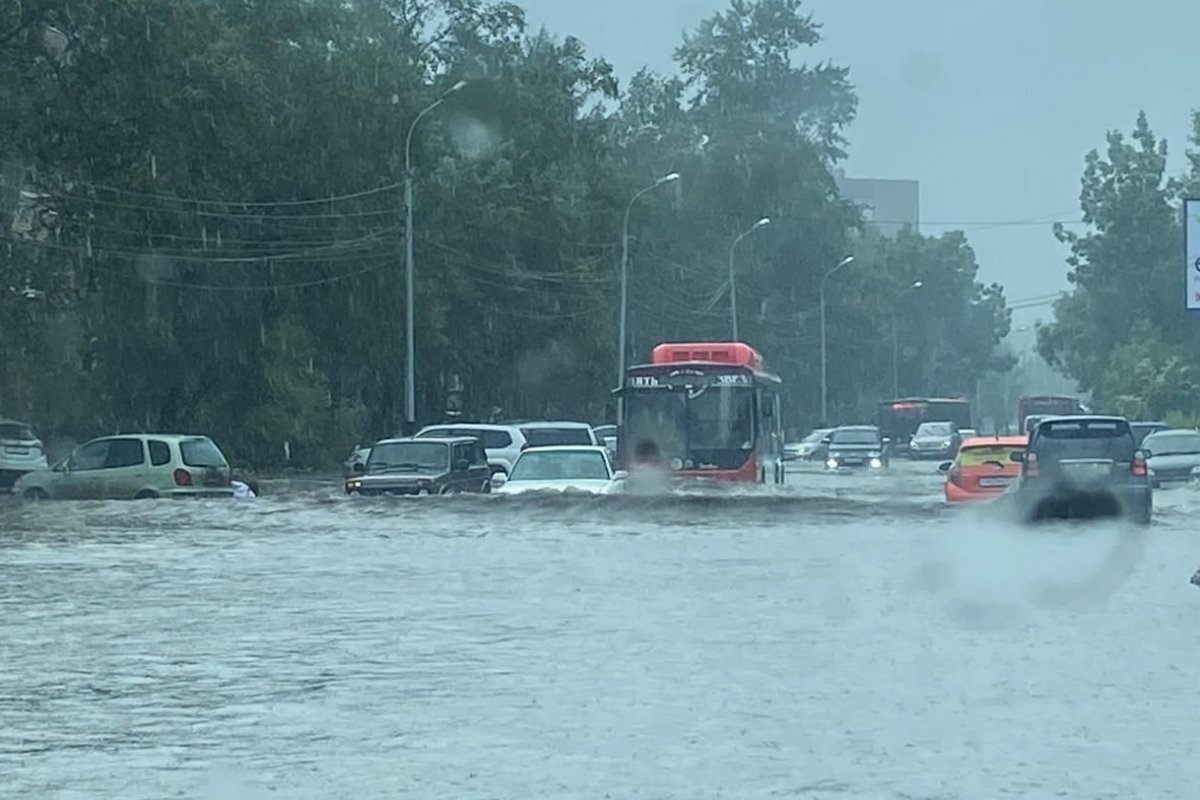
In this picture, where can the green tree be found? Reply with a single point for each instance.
(217, 225)
(1125, 269)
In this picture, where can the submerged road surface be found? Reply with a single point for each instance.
(845, 637)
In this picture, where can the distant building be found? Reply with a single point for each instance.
(890, 206)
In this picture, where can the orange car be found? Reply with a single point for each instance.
(983, 468)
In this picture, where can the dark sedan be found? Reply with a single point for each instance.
(855, 446)
(422, 466)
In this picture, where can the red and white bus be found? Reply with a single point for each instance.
(704, 409)
(1046, 406)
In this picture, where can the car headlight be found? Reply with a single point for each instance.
(423, 483)
(947, 442)
(832, 463)
(876, 463)
(354, 485)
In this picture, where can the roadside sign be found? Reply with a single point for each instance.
(1191, 246)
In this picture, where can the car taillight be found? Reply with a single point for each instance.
(1139, 464)
(183, 477)
(1031, 465)
(955, 475)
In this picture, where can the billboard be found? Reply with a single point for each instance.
(1191, 246)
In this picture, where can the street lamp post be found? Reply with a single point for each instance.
(410, 393)
(665, 179)
(896, 342)
(732, 282)
(824, 364)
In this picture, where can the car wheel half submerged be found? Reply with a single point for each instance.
(35, 495)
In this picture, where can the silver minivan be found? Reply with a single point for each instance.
(133, 467)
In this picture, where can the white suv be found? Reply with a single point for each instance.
(502, 443)
(21, 451)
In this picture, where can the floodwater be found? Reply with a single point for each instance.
(845, 637)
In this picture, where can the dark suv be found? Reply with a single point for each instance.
(1083, 467)
(422, 466)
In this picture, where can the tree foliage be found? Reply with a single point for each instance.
(202, 218)
(1121, 332)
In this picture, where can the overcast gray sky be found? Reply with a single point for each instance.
(991, 106)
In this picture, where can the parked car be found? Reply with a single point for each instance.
(21, 451)
(855, 446)
(502, 443)
(133, 467)
(935, 440)
(810, 448)
(559, 469)
(1143, 429)
(983, 469)
(1083, 467)
(549, 434)
(607, 436)
(1171, 456)
(358, 457)
(1033, 420)
(423, 466)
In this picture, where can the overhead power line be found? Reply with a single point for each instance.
(199, 201)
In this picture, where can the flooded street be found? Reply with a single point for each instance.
(845, 637)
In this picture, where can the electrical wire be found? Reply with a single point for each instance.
(195, 201)
(275, 287)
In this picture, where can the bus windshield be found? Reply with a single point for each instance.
(710, 427)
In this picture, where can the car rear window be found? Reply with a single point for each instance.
(980, 456)
(1085, 439)
(550, 437)
(15, 432)
(201, 453)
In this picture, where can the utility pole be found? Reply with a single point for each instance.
(665, 179)
(896, 341)
(733, 317)
(410, 402)
(824, 353)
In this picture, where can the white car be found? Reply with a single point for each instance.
(607, 436)
(502, 443)
(135, 466)
(561, 468)
(21, 451)
(809, 448)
